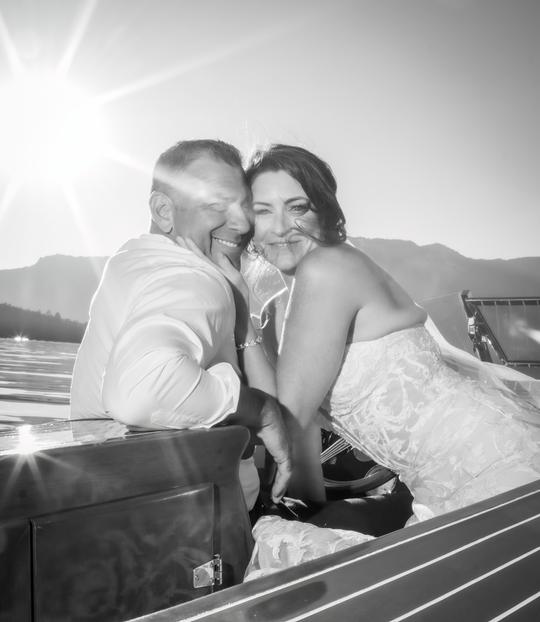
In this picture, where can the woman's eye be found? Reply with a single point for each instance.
(261, 211)
(300, 208)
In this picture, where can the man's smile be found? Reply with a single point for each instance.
(228, 243)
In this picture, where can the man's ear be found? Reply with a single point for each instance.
(162, 209)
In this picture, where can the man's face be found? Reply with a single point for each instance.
(212, 207)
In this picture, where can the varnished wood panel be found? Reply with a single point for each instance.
(74, 466)
(117, 560)
(15, 573)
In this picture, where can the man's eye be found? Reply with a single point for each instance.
(217, 207)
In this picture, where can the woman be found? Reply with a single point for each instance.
(354, 343)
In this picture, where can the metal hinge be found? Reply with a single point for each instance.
(209, 574)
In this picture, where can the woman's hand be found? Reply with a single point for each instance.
(224, 265)
(234, 276)
(238, 285)
(273, 433)
(244, 330)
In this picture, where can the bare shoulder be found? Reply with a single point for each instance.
(336, 264)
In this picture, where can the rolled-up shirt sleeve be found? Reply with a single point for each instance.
(154, 378)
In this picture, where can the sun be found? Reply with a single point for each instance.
(52, 131)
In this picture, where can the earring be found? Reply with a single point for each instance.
(253, 249)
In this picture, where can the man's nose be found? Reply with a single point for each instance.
(239, 218)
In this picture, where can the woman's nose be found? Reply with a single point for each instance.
(282, 223)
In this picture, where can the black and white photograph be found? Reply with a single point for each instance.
(269, 310)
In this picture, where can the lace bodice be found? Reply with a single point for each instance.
(453, 440)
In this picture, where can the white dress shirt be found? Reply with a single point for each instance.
(159, 348)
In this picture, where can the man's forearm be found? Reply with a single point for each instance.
(164, 387)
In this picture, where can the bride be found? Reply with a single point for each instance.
(354, 346)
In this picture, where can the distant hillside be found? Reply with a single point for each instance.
(58, 283)
(35, 325)
(434, 275)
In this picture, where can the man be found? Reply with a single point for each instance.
(159, 348)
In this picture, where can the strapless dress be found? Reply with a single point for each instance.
(452, 439)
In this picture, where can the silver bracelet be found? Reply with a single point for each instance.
(248, 344)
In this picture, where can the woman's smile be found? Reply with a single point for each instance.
(283, 243)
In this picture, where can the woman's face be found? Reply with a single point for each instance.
(282, 210)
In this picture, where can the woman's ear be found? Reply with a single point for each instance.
(162, 210)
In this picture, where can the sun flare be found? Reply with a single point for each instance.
(51, 130)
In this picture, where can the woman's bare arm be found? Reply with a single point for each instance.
(323, 304)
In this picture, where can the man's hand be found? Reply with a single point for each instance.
(260, 412)
(273, 434)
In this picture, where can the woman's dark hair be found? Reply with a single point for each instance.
(315, 177)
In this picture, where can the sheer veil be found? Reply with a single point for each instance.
(265, 284)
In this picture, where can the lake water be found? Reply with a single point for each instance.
(36, 371)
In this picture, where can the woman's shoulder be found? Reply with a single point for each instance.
(329, 261)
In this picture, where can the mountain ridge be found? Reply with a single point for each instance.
(433, 274)
(57, 283)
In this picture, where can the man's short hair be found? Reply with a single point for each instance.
(184, 152)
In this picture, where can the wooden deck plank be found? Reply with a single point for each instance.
(373, 581)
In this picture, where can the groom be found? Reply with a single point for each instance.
(159, 348)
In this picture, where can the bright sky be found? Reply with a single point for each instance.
(427, 110)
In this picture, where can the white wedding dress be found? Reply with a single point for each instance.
(452, 439)
(454, 429)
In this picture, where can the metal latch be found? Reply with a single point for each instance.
(209, 574)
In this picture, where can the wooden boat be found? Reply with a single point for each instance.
(478, 563)
(97, 523)
(505, 330)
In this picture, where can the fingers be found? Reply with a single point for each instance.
(222, 261)
(226, 266)
(281, 481)
(219, 259)
(274, 436)
(231, 273)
